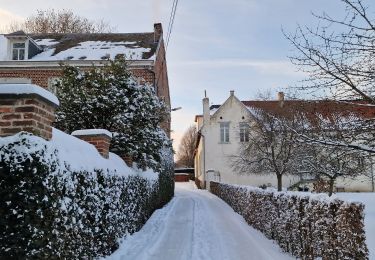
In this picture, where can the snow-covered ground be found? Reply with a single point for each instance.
(369, 200)
(197, 225)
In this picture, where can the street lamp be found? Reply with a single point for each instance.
(175, 109)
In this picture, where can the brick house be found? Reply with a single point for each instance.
(37, 58)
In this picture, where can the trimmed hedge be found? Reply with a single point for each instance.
(306, 225)
(50, 212)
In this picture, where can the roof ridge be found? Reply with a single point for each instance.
(86, 34)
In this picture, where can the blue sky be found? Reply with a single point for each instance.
(216, 45)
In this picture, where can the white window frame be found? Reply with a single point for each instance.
(224, 132)
(18, 50)
(244, 132)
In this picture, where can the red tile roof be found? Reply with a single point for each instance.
(325, 108)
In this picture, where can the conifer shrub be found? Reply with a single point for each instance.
(109, 97)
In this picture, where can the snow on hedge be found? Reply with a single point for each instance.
(60, 198)
(19, 89)
(74, 155)
(308, 226)
(368, 199)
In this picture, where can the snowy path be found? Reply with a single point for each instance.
(197, 225)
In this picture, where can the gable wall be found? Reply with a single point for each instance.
(218, 155)
(162, 83)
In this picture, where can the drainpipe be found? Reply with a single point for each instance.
(204, 159)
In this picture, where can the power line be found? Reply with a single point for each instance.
(170, 25)
(171, 21)
(170, 18)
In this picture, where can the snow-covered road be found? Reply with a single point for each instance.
(197, 225)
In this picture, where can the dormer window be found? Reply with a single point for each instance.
(18, 50)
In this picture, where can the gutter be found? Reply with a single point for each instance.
(56, 63)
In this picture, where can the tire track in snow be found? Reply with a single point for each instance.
(197, 225)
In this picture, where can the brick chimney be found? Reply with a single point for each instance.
(100, 138)
(280, 98)
(26, 107)
(158, 31)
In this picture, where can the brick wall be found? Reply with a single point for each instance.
(100, 141)
(127, 159)
(161, 80)
(38, 76)
(181, 177)
(28, 113)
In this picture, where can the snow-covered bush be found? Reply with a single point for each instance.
(309, 226)
(109, 97)
(60, 199)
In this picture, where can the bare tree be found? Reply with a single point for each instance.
(329, 163)
(295, 138)
(185, 154)
(322, 126)
(370, 171)
(338, 59)
(60, 21)
(338, 54)
(271, 148)
(336, 125)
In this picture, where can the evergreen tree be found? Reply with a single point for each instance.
(108, 97)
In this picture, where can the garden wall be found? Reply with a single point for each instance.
(308, 226)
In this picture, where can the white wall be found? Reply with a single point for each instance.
(3, 48)
(219, 155)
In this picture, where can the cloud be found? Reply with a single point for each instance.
(7, 18)
(277, 67)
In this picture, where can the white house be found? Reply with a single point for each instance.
(222, 129)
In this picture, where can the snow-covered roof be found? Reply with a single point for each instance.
(134, 46)
(314, 110)
(213, 109)
(84, 132)
(90, 47)
(21, 89)
(94, 50)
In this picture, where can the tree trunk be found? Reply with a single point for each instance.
(331, 183)
(279, 182)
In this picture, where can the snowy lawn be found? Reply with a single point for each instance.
(369, 200)
(197, 225)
